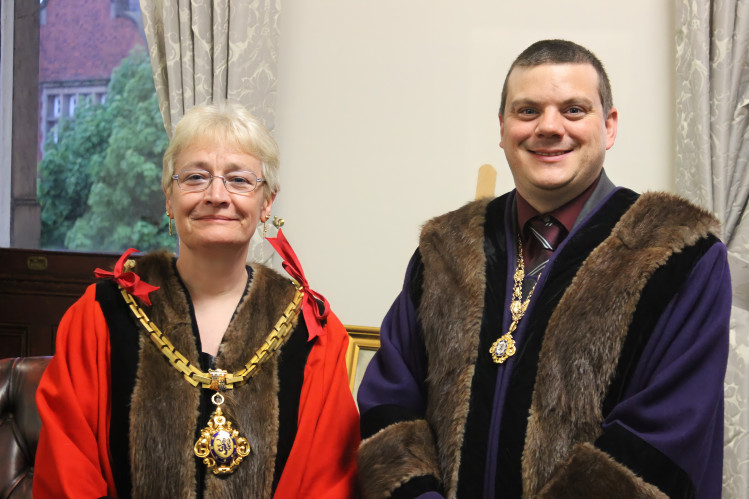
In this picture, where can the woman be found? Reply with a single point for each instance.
(200, 376)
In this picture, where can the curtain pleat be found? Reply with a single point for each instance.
(213, 50)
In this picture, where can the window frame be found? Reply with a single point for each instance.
(20, 220)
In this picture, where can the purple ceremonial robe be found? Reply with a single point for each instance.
(672, 401)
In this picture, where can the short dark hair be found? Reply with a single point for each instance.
(561, 52)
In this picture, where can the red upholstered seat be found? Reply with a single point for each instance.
(19, 423)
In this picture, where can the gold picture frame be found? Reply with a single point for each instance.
(363, 343)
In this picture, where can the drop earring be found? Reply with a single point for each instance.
(265, 227)
(170, 224)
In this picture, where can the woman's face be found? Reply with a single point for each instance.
(216, 216)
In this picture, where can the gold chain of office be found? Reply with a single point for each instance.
(195, 376)
(220, 445)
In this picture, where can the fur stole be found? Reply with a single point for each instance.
(452, 306)
(164, 411)
(654, 228)
(616, 272)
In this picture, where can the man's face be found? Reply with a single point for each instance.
(555, 133)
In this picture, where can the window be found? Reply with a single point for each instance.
(60, 100)
(56, 106)
(92, 139)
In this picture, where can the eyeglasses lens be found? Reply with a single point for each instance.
(240, 182)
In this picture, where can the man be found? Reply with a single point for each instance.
(566, 339)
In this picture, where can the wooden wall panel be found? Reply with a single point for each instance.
(36, 288)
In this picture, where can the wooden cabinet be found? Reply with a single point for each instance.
(36, 288)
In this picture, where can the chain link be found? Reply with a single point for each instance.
(195, 376)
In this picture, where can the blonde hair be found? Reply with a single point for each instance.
(230, 122)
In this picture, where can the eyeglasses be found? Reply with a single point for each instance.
(241, 182)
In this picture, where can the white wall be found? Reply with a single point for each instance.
(387, 108)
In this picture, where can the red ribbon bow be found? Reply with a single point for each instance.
(312, 315)
(130, 281)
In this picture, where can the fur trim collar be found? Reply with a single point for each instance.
(164, 411)
(657, 226)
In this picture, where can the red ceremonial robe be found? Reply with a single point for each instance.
(74, 400)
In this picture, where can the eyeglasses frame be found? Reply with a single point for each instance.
(223, 179)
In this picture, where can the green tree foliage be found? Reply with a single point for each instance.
(100, 184)
(65, 172)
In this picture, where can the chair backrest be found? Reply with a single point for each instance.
(19, 423)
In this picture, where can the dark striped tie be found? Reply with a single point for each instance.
(544, 235)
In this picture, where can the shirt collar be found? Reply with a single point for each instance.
(565, 214)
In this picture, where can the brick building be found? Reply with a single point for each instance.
(81, 42)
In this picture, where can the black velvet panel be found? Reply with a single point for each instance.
(657, 294)
(646, 461)
(382, 416)
(475, 441)
(519, 395)
(417, 486)
(416, 279)
(124, 346)
(291, 364)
